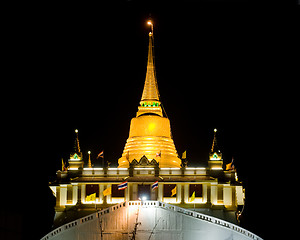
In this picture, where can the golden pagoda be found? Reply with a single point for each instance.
(150, 131)
(150, 194)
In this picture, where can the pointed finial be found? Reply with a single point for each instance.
(89, 163)
(150, 23)
(150, 101)
(150, 91)
(77, 147)
(214, 144)
(215, 154)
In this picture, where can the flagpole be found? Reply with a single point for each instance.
(103, 161)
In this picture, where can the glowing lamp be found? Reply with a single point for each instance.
(144, 198)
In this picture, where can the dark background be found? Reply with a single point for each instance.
(218, 65)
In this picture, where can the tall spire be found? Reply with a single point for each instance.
(77, 147)
(215, 154)
(150, 103)
(89, 162)
(150, 92)
(214, 144)
(150, 132)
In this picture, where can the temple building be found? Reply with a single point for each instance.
(150, 175)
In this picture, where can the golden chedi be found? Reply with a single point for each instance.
(150, 131)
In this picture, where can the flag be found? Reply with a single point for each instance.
(107, 192)
(101, 154)
(158, 154)
(174, 191)
(91, 197)
(63, 166)
(193, 197)
(184, 155)
(154, 185)
(230, 166)
(122, 186)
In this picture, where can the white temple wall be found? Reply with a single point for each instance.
(166, 222)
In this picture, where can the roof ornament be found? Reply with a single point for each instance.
(90, 162)
(77, 147)
(150, 92)
(215, 154)
(151, 25)
(214, 144)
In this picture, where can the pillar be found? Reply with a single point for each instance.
(101, 189)
(160, 192)
(178, 193)
(214, 194)
(186, 193)
(63, 195)
(74, 193)
(204, 193)
(227, 196)
(82, 192)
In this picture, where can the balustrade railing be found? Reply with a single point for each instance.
(149, 204)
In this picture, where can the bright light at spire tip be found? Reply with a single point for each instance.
(149, 23)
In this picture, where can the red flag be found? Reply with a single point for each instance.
(101, 154)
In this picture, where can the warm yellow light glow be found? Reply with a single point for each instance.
(215, 130)
(196, 200)
(195, 168)
(151, 126)
(73, 168)
(116, 200)
(170, 200)
(89, 152)
(149, 135)
(76, 130)
(149, 23)
(92, 168)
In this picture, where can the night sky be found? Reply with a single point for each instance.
(85, 69)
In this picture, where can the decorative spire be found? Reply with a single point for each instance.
(215, 154)
(150, 103)
(77, 147)
(214, 144)
(150, 92)
(89, 163)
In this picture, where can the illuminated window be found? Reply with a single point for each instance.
(197, 188)
(92, 188)
(168, 190)
(115, 192)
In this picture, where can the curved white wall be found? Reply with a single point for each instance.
(159, 220)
